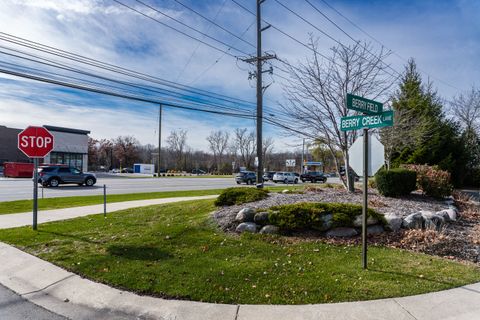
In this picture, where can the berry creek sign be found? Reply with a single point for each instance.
(35, 142)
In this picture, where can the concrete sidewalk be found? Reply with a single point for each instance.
(71, 296)
(25, 219)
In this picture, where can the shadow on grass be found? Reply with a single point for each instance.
(138, 252)
(403, 274)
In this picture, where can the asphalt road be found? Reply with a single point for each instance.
(18, 189)
(14, 307)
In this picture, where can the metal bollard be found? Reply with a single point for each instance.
(104, 201)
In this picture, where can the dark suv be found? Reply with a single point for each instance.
(247, 177)
(313, 176)
(54, 175)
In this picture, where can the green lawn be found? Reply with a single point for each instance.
(17, 206)
(176, 251)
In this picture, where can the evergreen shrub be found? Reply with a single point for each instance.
(396, 182)
(240, 195)
(317, 216)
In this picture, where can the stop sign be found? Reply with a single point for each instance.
(35, 142)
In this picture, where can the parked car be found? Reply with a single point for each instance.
(247, 177)
(127, 170)
(198, 171)
(54, 175)
(268, 175)
(285, 177)
(313, 176)
(352, 173)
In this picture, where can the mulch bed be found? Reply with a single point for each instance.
(459, 240)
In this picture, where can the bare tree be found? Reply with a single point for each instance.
(466, 108)
(244, 144)
(267, 150)
(125, 150)
(177, 142)
(317, 92)
(218, 141)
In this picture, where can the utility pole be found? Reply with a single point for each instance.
(303, 156)
(258, 60)
(159, 138)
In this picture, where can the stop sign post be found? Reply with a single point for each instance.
(35, 142)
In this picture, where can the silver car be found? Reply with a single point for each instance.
(285, 177)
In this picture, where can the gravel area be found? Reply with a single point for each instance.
(400, 206)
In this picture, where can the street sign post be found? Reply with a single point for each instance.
(363, 105)
(385, 119)
(35, 142)
(373, 117)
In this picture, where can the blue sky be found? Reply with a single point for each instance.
(441, 35)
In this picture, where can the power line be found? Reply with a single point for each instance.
(214, 23)
(179, 31)
(198, 44)
(114, 68)
(332, 38)
(218, 59)
(114, 94)
(373, 38)
(62, 66)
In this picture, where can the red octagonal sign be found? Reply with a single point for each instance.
(35, 142)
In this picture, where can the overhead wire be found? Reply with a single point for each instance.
(374, 39)
(183, 24)
(114, 68)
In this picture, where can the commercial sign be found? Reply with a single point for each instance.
(368, 121)
(363, 105)
(290, 162)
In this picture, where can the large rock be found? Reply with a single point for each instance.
(326, 223)
(375, 229)
(394, 222)
(358, 221)
(443, 214)
(270, 229)
(245, 215)
(413, 221)
(434, 222)
(342, 232)
(452, 213)
(261, 218)
(247, 227)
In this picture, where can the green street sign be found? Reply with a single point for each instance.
(369, 121)
(363, 105)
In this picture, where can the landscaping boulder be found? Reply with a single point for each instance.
(247, 227)
(413, 221)
(434, 222)
(394, 222)
(261, 218)
(452, 213)
(327, 222)
(443, 214)
(358, 221)
(375, 229)
(245, 215)
(286, 191)
(270, 229)
(342, 232)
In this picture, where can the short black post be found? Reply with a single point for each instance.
(104, 201)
